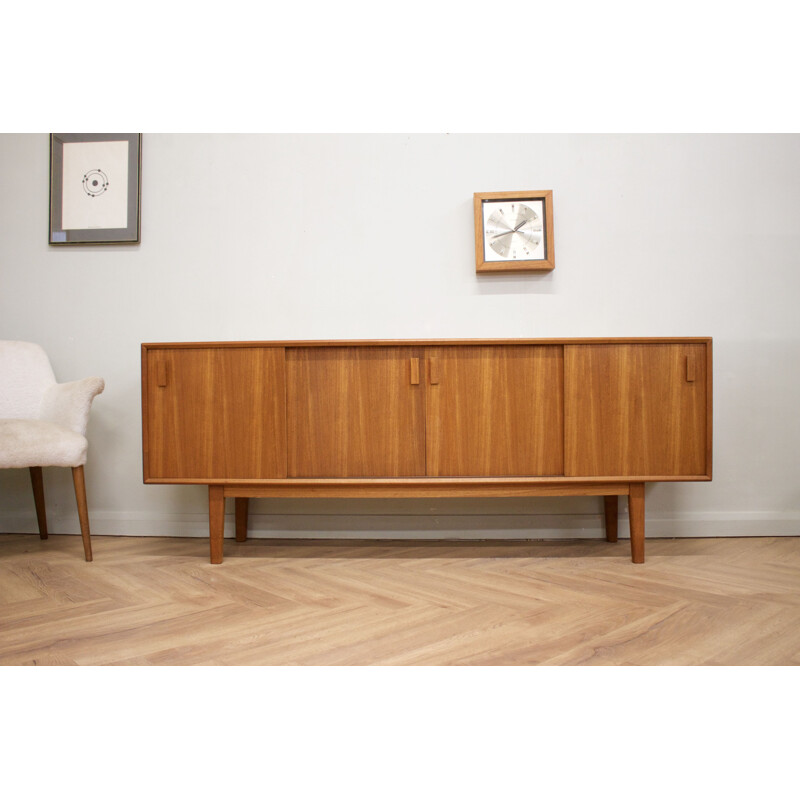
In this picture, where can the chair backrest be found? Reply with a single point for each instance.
(25, 374)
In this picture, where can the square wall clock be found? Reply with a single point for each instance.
(514, 231)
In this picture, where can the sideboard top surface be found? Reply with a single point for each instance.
(434, 342)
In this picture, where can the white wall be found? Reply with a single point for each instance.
(371, 236)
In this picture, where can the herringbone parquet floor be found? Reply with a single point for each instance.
(158, 601)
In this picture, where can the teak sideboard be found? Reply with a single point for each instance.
(427, 418)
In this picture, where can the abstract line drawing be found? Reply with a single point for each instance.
(95, 182)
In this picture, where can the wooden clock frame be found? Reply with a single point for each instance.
(546, 264)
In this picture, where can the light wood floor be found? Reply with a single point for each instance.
(158, 601)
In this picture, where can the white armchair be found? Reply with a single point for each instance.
(43, 424)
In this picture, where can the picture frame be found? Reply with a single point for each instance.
(95, 188)
(514, 231)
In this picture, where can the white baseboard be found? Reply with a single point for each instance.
(421, 526)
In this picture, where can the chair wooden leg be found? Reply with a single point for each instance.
(37, 481)
(83, 510)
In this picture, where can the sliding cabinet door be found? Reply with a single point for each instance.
(637, 410)
(355, 412)
(215, 413)
(495, 410)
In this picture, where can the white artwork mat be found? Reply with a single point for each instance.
(95, 185)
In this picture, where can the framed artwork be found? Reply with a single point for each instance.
(514, 232)
(95, 188)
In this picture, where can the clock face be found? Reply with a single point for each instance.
(512, 230)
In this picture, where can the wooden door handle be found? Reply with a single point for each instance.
(433, 365)
(690, 369)
(414, 371)
(161, 374)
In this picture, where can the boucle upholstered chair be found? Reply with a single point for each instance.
(43, 424)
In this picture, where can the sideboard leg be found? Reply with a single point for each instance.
(216, 522)
(241, 518)
(611, 508)
(636, 513)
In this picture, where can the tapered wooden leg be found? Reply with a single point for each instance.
(636, 513)
(83, 510)
(216, 522)
(38, 498)
(241, 518)
(611, 512)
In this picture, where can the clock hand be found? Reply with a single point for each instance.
(516, 230)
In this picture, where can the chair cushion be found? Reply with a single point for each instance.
(35, 443)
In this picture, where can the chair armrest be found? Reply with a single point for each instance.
(68, 404)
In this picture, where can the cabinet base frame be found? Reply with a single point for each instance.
(391, 488)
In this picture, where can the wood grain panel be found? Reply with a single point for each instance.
(354, 412)
(495, 411)
(630, 410)
(220, 413)
(425, 487)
